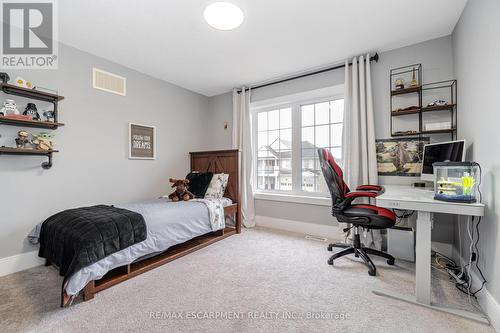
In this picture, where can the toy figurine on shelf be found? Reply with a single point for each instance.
(4, 77)
(31, 111)
(49, 115)
(414, 82)
(20, 82)
(9, 107)
(399, 84)
(22, 139)
(43, 141)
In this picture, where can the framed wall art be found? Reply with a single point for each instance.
(141, 142)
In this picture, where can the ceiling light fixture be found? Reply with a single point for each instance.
(223, 15)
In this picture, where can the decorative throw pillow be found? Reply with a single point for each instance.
(198, 183)
(217, 186)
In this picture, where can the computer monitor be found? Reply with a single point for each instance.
(452, 151)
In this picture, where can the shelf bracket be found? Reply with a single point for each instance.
(47, 165)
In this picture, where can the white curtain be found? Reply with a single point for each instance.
(242, 139)
(359, 152)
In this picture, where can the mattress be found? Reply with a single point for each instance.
(168, 224)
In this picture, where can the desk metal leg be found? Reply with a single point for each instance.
(423, 274)
(423, 258)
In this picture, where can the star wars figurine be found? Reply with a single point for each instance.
(22, 139)
(9, 107)
(31, 111)
(43, 141)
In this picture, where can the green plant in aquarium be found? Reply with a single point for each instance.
(468, 184)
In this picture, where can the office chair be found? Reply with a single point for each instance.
(358, 215)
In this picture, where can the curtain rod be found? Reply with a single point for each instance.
(372, 58)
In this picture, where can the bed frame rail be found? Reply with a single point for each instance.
(220, 161)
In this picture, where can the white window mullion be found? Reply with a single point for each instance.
(296, 150)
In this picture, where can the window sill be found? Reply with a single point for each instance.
(294, 198)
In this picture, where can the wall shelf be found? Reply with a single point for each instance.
(447, 107)
(29, 123)
(11, 89)
(29, 93)
(441, 131)
(30, 152)
(406, 91)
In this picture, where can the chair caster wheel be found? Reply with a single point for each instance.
(330, 262)
(330, 248)
(372, 273)
(390, 262)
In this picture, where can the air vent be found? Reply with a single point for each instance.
(109, 82)
(316, 238)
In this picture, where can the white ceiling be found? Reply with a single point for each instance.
(170, 40)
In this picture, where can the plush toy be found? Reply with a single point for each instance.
(181, 190)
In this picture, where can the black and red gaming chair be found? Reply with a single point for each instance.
(359, 215)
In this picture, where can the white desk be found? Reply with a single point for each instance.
(422, 201)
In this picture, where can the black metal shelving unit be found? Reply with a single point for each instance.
(419, 109)
(36, 95)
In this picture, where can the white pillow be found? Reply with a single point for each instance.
(217, 186)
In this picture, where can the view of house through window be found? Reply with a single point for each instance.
(319, 125)
(274, 142)
(321, 128)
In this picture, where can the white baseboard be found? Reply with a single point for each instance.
(19, 262)
(488, 303)
(444, 248)
(328, 231)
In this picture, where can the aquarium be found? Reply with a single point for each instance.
(456, 181)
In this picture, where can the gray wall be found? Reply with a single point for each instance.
(476, 50)
(436, 58)
(92, 166)
(220, 109)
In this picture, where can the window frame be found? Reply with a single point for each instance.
(295, 102)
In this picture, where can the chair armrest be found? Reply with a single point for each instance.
(369, 188)
(362, 194)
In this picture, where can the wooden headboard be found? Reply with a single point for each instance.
(220, 161)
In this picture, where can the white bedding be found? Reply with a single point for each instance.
(168, 223)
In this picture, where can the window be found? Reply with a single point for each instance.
(287, 137)
(321, 127)
(274, 142)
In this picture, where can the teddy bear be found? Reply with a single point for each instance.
(181, 190)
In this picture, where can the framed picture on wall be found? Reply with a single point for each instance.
(141, 142)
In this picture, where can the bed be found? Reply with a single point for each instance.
(174, 229)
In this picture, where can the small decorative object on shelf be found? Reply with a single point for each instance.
(43, 141)
(9, 108)
(399, 84)
(20, 82)
(47, 90)
(49, 115)
(438, 102)
(414, 82)
(405, 132)
(32, 111)
(22, 139)
(409, 108)
(4, 77)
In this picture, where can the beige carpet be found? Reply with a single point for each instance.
(259, 281)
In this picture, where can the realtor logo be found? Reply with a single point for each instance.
(29, 34)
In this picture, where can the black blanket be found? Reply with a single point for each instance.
(76, 238)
